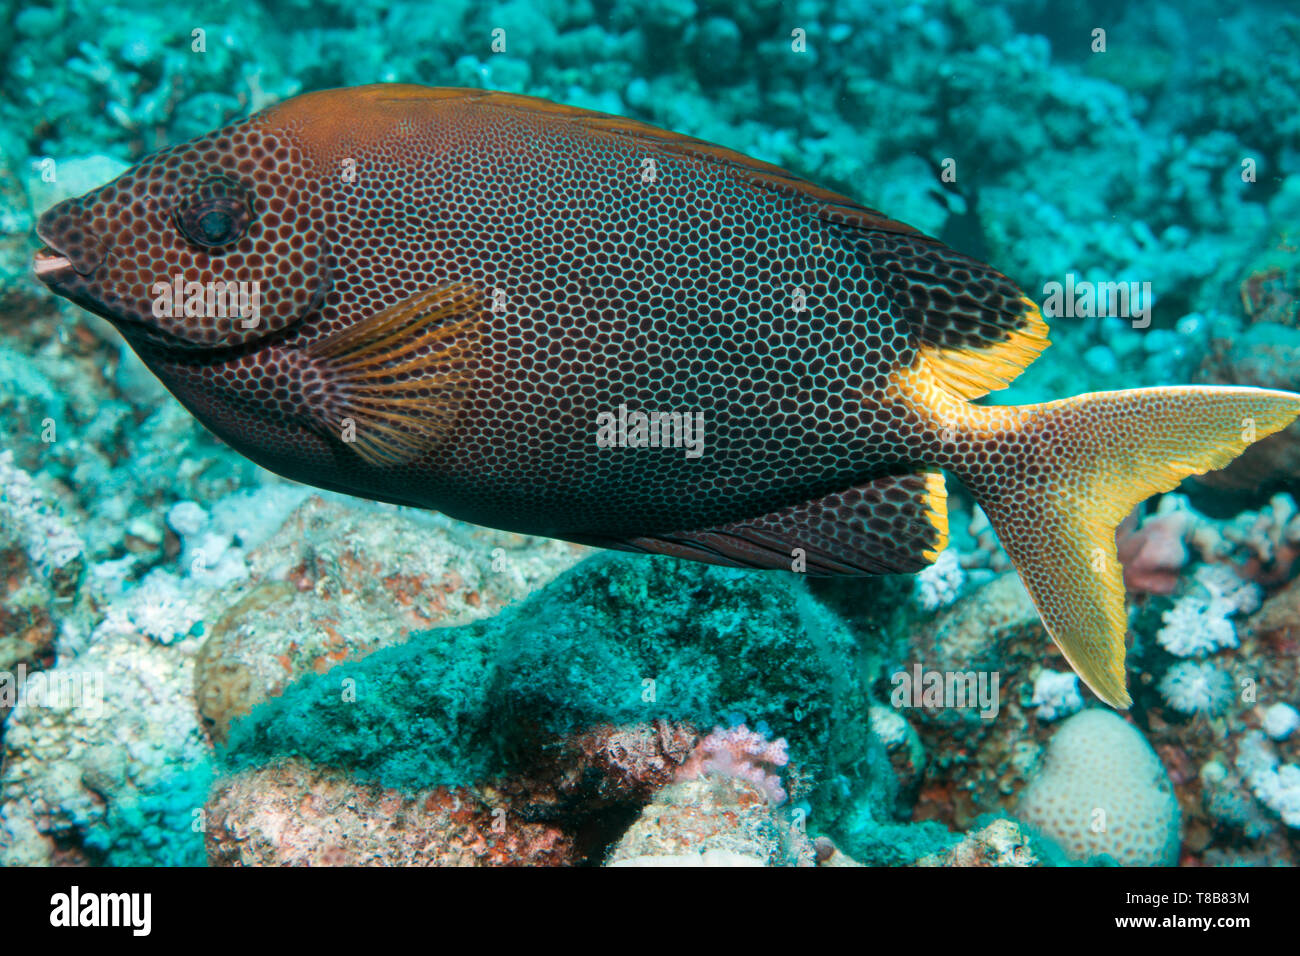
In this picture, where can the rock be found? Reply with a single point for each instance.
(1001, 843)
(458, 705)
(294, 815)
(342, 579)
(114, 768)
(713, 820)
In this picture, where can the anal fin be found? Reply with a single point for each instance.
(894, 524)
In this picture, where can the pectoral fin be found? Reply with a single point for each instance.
(396, 378)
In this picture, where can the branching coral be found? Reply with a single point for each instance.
(1276, 786)
(1257, 546)
(1195, 627)
(940, 584)
(1197, 688)
(1056, 695)
(1263, 545)
(742, 753)
(1198, 624)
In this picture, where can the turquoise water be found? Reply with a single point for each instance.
(190, 644)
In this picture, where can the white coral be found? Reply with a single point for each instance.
(1277, 787)
(940, 584)
(158, 608)
(1056, 695)
(1225, 585)
(1195, 626)
(1280, 721)
(1197, 688)
(49, 539)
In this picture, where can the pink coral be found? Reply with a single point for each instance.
(1154, 554)
(742, 753)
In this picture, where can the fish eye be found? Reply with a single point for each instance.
(215, 213)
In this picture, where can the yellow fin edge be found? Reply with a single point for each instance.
(936, 500)
(973, 372)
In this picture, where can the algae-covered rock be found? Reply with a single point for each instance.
(614, 640)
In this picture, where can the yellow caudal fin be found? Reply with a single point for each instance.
(1056, 479)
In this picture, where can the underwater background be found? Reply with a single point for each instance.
(203, 663)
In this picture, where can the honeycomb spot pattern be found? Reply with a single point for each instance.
(717, 286)
(888, 525)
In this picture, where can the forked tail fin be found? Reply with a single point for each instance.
(1056, 479)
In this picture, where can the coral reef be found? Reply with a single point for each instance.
(1276, 785)
(1001, 843)
(1155, 552)
(339, 581)
(41, 568)
(81, 786)
(370, 685)
(995, 630)
(742, 753)
(179, 652)
(940, 584)
(1280, 721)
(454, 706)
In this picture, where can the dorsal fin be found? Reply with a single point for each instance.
(823, 203)
(973, 327)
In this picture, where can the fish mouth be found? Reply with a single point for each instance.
(69, 245)
(49, 264)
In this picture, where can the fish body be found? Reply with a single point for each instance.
(570, 324)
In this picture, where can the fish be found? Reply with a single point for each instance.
(571, 324)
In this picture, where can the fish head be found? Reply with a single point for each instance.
(212, 243)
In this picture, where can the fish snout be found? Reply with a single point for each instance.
(71, 244)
